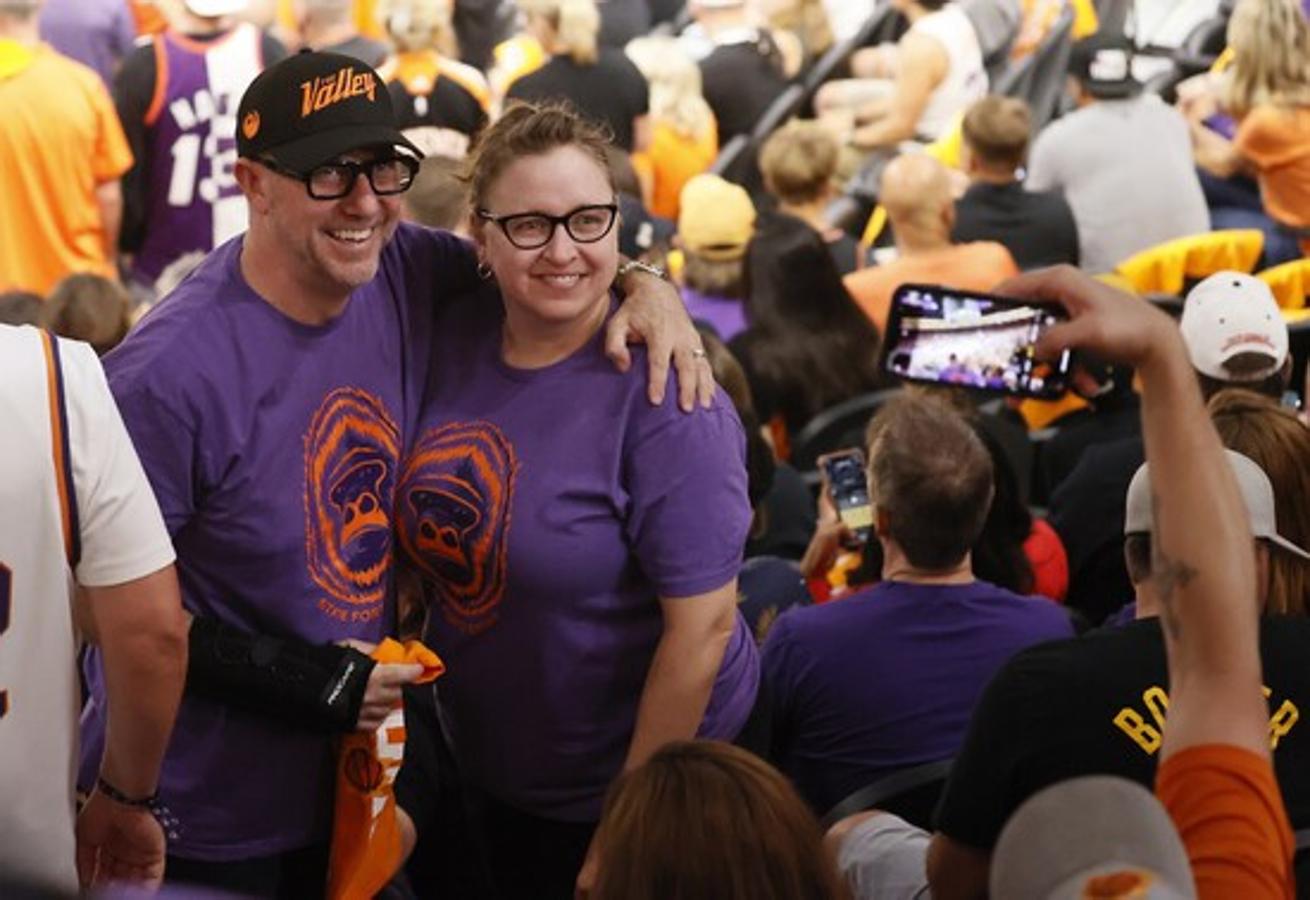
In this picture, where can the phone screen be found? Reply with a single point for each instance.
(974, 340)
(849, 487)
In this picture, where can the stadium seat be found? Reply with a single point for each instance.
(909, 793)
(837, 427)
(783, 107)
(1170, 268)
(1039, 77)
(732, 159)
(1290, 283)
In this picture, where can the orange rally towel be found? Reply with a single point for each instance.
(365, 834)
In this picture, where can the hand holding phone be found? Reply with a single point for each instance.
(847, 485)
(969, 339)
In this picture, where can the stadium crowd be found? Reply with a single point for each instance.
(420, 474)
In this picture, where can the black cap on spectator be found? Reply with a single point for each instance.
(1103, 63)
(312, 107)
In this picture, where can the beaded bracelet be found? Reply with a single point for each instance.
(152, 804)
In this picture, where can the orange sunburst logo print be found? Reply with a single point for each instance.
(352, 452)
(250, 125)
(453, 517)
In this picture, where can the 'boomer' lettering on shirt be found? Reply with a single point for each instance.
(323, 92)
(1148, 735)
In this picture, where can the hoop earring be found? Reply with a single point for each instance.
(484, 270)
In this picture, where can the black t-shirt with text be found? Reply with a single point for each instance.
(611, 91)
(1096, 705)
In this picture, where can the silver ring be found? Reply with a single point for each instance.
(698, 353)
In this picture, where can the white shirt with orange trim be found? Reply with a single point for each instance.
(77, 509)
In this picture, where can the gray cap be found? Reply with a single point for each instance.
(1257, 494)
(1094, 827)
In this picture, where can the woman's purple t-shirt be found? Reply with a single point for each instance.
(548, 510)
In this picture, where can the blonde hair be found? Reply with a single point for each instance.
(1270, 40)
(576, 23)
(416, 25)
(798, 161)
(675, 84)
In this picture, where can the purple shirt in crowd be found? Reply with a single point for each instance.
(725, 315)
(888, 677)
(273, 448)
(549, 509)
(96, 33)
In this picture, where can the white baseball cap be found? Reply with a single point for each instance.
(1231, 313)
(1257, 496)
(214, 8)
(1068, 836)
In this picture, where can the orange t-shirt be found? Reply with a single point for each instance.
(1277, 142)
(1228, 810)
(365, 834)
(672, 160)
(977, 266)
(61, 139)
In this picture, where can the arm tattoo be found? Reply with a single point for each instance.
(1168, 574)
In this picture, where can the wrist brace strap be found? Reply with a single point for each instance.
(318, 687)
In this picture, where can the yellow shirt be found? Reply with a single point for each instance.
(60, 141)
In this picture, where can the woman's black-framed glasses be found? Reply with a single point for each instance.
(332, 181)
(532, 230)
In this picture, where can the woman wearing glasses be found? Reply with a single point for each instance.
(580, 546)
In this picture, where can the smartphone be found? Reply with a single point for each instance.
(848, 486)
(939, 335)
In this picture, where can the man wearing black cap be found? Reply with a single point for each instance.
(270, 398)
(1123, 160)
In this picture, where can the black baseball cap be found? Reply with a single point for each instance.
(312, 107)
(1104, 65)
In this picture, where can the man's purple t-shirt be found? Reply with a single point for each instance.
(548, 510)
(726, 315)
(888, 677)
(273, 448)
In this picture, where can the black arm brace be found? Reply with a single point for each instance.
(318, 687)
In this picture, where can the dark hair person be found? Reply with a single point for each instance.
(809, 346)
(703, 820)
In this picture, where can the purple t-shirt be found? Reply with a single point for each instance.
(727, 316)
(888, 677)
(96, 33)
(273, 448)
(548, 510)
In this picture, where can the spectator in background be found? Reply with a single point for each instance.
(799, 165)
(684, 134)
(90, 308)
(63, 152)
(600, 82)
(1122, 160)
(911, 90)
(642, 235)
(177, 98)
(21, 308)
(329, 26)
(96, 33)
(1279, 443)
(438, 198)
(704, 819)
(742, 72)
(887, 678)
(622, 21)
(803, 21)
(430, 88)
(916, 192)
(1112, 413)
(1026, 736)
(808, 346)
(1268, 92)
(1235, 337)
(715, 224)
(1037, 227)
(767, 585)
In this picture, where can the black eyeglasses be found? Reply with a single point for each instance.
(334, 180)
(530, 230)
